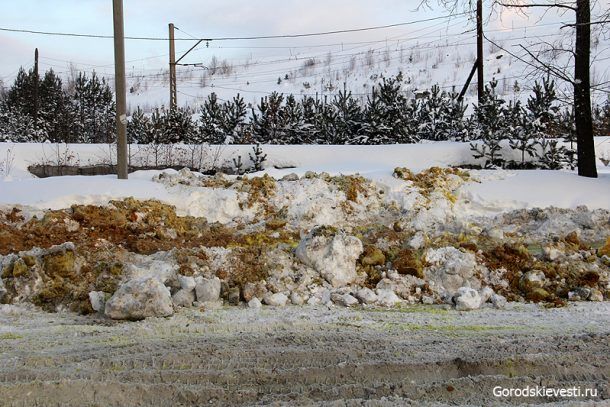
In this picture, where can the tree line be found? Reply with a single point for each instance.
(84, 113)
(40, 109)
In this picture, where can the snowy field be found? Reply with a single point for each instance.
(495, 191)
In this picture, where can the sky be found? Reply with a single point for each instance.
(205, 18)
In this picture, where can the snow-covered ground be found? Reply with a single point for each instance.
(493, 191)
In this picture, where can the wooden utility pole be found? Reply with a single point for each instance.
(36, 85)
(467, 84)
(120, 88)
(480, 76)
(173, 91)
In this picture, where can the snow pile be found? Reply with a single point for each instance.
(490, 192)
(507, 190)
(367, 233)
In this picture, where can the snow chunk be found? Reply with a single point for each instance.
(450, 269)
(140, 298)
(387, 298)
(332, 253)
(208, 289)
(467, 299)
(98, 300)
(276, 300)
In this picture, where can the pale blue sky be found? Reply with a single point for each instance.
(199, 18)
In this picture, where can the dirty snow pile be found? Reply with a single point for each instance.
(385, 236)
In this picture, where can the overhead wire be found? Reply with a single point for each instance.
(235, 38)
(386, 40)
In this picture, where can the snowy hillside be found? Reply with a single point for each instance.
(423, 59)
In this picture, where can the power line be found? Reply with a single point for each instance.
(338, 44)
(64, 34)
(398, 39)
(391, 39)
(259, 37)
(251, 77)
(317, 34)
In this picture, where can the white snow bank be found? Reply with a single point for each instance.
(345, 159)
(62, 192)
(508, 190)
(497, 192)
(216, 205)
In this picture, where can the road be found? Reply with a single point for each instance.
(425, 355)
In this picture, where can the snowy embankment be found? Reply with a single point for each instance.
(495, 191)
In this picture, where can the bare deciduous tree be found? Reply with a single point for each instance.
(581, 81)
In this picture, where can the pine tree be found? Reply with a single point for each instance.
(257, 157)
(17, 127)
(567, 130)
(266, 120)
(431, 114)
(375, 126)
(292, 121)
(325, 122)
(542, 123)
(520, 130)
(348, 119)
(553, 156)
(542, 109)
(54, 115)
(310, 133)
(457, 126)
(601, 119)
(178, 126)
(93, 110)
(139, 128)
(211, 122)
(390, 117)
(20, 95)
(19, 121)
(233, 120)
(47, 119)
(154, 136)
(491, 127)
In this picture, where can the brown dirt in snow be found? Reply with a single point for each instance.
(102, 236)
(430, 179)
(102, 233)
(142, 227)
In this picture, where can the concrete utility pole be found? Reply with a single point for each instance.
(480, 77)
(173, 91)
(120, 88)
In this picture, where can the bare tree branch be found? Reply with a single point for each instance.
(551, 69)
(591, 23)
(552, 5)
